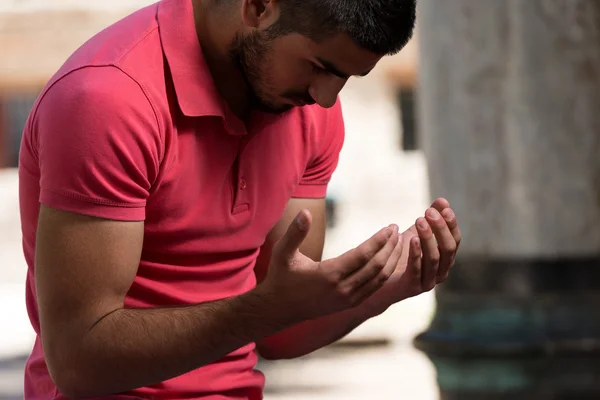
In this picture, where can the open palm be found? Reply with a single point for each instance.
(428, 249)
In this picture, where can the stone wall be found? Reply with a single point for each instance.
(35, 44)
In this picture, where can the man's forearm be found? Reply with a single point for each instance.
(308, 336)
(133, 348)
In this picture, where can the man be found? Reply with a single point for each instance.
(173, 175)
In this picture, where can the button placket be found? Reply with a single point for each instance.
(242, 201)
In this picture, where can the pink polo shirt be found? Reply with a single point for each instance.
(132, 128)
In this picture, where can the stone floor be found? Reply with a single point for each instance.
(383, 372)
(376, 184)
(353, 373)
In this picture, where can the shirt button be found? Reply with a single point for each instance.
(243, 184)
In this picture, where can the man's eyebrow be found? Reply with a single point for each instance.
(331, 68)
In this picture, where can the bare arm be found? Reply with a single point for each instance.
(308, 336)
(94, 346)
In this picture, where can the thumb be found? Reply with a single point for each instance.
(294, 236)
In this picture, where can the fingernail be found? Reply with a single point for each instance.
(301, 221)
(433, 214)
(449, 215)
(422, 224)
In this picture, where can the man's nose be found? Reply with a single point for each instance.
(325, 91)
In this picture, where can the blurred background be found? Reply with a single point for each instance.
(492, 105)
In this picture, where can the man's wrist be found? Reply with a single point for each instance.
(263, 307)
(378, 303)
(372, 310)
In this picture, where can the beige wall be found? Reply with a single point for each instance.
(34, 45)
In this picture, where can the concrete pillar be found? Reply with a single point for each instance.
(509, 95)
(3, 138)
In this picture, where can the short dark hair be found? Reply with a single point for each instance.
(380, 26)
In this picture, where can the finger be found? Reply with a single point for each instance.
(394, 259)
(414, 268)
(452, 223)
(431, 255)
(373, 269)
(373, 285)
(442, 277)
(445, 240)
(440, 204)
(290, 242)
(414, 264)
(349, 262)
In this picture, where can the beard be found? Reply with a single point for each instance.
(251, 55)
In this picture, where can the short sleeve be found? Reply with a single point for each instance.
(98, 144)
(330, 133)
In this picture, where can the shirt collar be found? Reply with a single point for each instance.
(196, 92)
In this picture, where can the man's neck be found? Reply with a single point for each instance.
(215, 35)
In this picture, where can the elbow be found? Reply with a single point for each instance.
(268, 355)
(269, 352)
(73, 385)
(266, 352)
(68, 377)
(271, 356)
(71, 393)
(67, 383)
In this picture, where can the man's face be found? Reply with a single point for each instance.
(292, 70)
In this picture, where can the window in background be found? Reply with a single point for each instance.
(15, 108)
(407, 102)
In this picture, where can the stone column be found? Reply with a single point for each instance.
(509, 95)
(3, 139)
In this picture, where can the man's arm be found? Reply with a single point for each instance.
(102, 159)
(94, 346)
(311, 335)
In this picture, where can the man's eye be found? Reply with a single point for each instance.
(316, 68)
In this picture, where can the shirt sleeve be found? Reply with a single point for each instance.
(98, 144)
(322, 165)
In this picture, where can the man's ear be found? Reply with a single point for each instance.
(259, 14)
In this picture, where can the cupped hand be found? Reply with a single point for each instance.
(426, 256)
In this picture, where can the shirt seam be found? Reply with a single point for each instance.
(114, 64)
(87, 199)
(313, 184)
(154, 111)
(117, 64)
